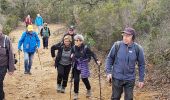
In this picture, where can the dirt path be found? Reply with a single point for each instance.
(42, 83)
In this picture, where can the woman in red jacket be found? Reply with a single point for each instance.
(28, 20)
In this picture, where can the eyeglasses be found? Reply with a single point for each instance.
(77, 40)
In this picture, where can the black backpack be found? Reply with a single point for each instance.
(117, 46)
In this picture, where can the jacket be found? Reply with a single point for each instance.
(45, 32)
(82, 56)
(39, 21)
(59, 47)
(123, 68)
(30, 42)
(6, 53)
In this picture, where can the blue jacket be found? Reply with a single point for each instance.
(39, 21)
(123, 68)
(30, 42)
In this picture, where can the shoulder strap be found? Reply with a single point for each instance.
(74, 48)
(137, 50)
(117, 46)
(5, 41)
(85, 49)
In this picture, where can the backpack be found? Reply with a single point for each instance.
(4, 46)
(117, 46)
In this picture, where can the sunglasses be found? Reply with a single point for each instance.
(71, 30)
(77, 40)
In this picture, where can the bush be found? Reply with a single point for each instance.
(142, 25)
(7, 29)
(10, 24)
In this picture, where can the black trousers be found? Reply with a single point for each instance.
(77, 80)
(45, 42)
(3, 71)
(63, 72)
(118, 86)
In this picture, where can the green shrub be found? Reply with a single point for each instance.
(10, 24)
(142, 25)
(7, 29)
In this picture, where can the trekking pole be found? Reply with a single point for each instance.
(39, 59)
(71, 85)
(99, 82)
(19, 60)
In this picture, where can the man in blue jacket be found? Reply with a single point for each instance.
(39, 22)
(120, 65)
(31, 43)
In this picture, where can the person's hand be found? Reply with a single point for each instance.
(72, 55)
(37, 49)
(19, 50)
(99, 62)
(141, 85)
(10, 73)
(109, 78)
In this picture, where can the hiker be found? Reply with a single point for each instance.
(28, 20)
(39, 22)
(62, 62)
(31, 44)
(81, 55)
(122, 58)
(45, 34)
(71, 32)
(6, 60)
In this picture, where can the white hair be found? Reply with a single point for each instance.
(38, 15)
(79, 36)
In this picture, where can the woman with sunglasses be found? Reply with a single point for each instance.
(62, 62)
(81, 56)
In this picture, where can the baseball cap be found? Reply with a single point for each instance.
(129, 31)
(30, 28)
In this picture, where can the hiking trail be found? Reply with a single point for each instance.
(41, 85)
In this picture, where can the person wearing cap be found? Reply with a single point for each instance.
(6, 60)
(71, 32)
(39, 22)
(81, 55)
(62, 62)
(45, 34)
(120, 65)
(31, 43)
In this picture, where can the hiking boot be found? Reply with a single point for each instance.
(58, 88)
(25, 72)
(62, 89)
(75, 96)
(88, 94)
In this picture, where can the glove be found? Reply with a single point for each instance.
(37, 50)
